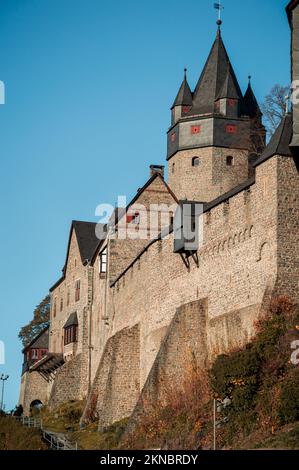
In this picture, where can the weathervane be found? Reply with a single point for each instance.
(218, 6)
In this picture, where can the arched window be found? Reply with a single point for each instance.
(229, 160)
(195, 161)
(173, 168)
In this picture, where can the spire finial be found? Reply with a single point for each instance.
(218, 6)
(185, 73)
(249, 79)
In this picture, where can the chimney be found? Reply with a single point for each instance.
(157, 169)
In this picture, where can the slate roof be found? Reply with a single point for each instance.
(41, 341)
(184, 96)
(86, 237)
(290, 7)
(280, 141)
(72, 320)
(251, 106)
(216, 72)
(230, 87)
(87, 243)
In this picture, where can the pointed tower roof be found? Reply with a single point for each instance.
(216, 72)
(280, 141)
(230, 87)
(250, 102)
(184, 96)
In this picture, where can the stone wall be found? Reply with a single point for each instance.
(116, 386)
(67, 384)
(237, 264)
(288, 227)
(33, 387)
(211, 178)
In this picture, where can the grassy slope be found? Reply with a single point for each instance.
(14, 436)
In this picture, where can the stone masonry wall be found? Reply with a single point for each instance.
(116, 386)
(211, 178)
(237, 265)
(33, 387)
(67, 383)
(288, 227)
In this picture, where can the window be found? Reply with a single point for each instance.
(232, 103)
(44, 352)
(229, 160)
(173, 137)
(61, 304)
(68, 298)
(231, 129)
(133, 218)
(70, 334)
(186, 109)
(195, 130)
(173, 168)
(34, 354)
(77, 291)
(54, 307)
(103, 262)
(195, 161)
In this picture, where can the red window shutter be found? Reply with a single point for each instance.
(231, 129)
(195, 129)
(232, 102)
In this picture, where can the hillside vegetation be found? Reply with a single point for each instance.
(260, 381)
(14, 436)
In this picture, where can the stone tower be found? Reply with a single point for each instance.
(215, 131)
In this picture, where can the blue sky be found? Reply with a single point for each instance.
(89, 85)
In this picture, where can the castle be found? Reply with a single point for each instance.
(126, 313)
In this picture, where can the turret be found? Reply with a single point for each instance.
(252, 109)
(183, 102)
(213, 131)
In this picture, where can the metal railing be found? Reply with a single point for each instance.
(56, 441)
(30, 422)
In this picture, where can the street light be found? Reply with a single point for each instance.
(3, 377)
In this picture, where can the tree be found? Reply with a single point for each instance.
(41, 317)
(274, 107)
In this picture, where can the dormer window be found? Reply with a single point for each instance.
(71, 329)
(195, 161)
(173, 137)
(186, 109)
(70, 334)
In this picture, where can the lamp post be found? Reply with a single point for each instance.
(3, 377)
